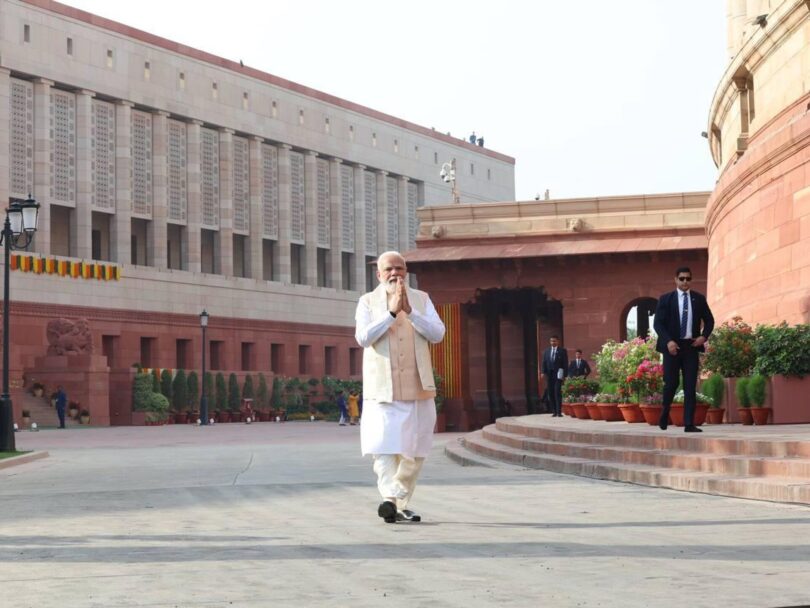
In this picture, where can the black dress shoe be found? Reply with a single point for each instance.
(388, 511)
(408, 515)
(663, 422)
(692, 429)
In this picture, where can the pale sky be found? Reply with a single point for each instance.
(591, 97)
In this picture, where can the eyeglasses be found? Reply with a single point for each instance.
(684, 278)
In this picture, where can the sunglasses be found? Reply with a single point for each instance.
(684, 278)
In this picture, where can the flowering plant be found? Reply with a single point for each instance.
(647, 379)
(578, 388)
(699, 398)
(617, 360)
(730, 350)
(653, 399)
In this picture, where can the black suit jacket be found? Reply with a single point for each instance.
(550, 367)
(583, 370)
(668, 321)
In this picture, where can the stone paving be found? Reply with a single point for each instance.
(285, 515)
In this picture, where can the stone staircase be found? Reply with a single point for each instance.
(41, 411)
(762, 463)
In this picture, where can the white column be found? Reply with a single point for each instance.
(81, 224)
(359, 228)
(336, 224)
(402, 202)
(5, 133)
(382, 214)
(42, 163)
(121, 237)
(158, 233)
(311, 218)
(283, 263)
(256, 216)
(194, 215)
(226, 202)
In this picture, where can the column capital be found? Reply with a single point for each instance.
(226, 130)
(162, 113)
(337, 161)
(257, 138)
(85, 92)
(124, 103)
(43, 81)
(196, 122)
(285, 146)
(312, 153)
(360, 166)
(5, 71)
(404, 178)
(382, 172)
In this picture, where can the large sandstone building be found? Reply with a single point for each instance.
(172, 181)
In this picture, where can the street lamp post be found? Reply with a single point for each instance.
(448, 174)
(204, 398)
(18, 232)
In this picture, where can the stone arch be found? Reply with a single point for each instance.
(638, 313)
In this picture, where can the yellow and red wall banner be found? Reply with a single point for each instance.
(447, 354)
(65, 268)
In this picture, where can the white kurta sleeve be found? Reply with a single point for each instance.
(428, 324)
(367, 330)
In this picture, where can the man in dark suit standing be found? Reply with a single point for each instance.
(554, 370)
(579, 366)
(683, 323)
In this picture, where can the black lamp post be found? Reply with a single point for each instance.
(18, 232)
(204, 398)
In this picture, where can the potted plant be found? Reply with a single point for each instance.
(179, 397)
(73, 409)
(731, 353)
(441, 419)
(608, 404)
(578, 392)
(84, 417)
(756, 395)
(651, 408)
(702, 405)
(744, 401)
(234, 398)
(221, 398)
(714, 388)
(26, 418)
(37, 389)
(783, 355)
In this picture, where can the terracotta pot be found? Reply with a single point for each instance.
(676, 414)
(610, 412)
(580, 411)
(236, 416)
(223, 416)
(567, 409)
(744, 415)
(760, 415)
(701, 409)
(714, 415)
(651, 413)
(181, 418)
(84, 419)
(593, 411)
(631, 412)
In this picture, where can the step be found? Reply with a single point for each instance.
(720, 464)
(759, 488)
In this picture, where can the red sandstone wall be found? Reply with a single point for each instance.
(758, 223)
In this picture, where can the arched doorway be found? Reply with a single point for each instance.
(637, 318)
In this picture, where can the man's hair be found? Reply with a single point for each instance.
(683, 269)
(579, 350)
(386, 254)
(554, 337)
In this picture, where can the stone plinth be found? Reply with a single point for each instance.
(84, 377)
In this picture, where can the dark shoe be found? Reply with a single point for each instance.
(692, 429)
(663, 421)
(388, 511)
(407, 515)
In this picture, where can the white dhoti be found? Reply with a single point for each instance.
(399, 435)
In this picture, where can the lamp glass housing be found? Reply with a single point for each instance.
(204, 319)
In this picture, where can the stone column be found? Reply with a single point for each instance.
(359, 228)
(194, 214)
(226, 202)
(382, 214)
(81, 224)
(121, 228)
(158, 234)
(42, 163)
(311, 218)
(256, 215)
(5, 134)
(282, 261)
(336, 224)
(402, 202)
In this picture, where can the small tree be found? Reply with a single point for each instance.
(166, 384)
(222, 392)
(756, 390)
(276, 398)
(261, 393)
(192, 390)
(714, 387)
(742, 392)
(247, 387)
(141, 391)
(233, 393)
(179, 391)
(155, 380)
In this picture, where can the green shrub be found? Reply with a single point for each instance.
(276, 397)
(179, 391)
(192, 390)
(783, 350)
(233, 393)
(756, 390)
(166, 384)
(261, 393)
(141, 390)
(730, 350)
(742, 392)
(714, 387)
(247, 387)
(221, 399)
(155, 380)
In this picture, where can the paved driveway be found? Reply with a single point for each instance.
(285, 515)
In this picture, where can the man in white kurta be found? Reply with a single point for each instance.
(395, 324)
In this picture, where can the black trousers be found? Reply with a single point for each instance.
(60, 411)
(555, 394)
(685, 364)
